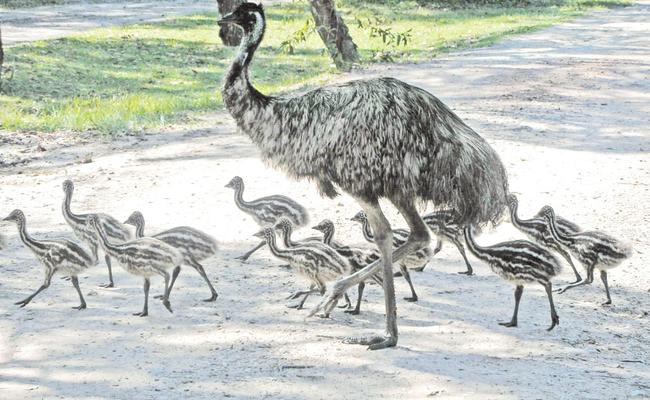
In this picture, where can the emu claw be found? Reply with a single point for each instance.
(168, 306)
(411, 299)
(80, 307)
(212, 298)
(107, 285)
(509, 324)
(22, 303)
(141, 314)
(242, 258)
(607, 303)
(352, 312)
(468, 273)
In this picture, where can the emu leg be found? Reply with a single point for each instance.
(407, 276)
(348, 303)
(305, 294)
(555, 320)
(145, 309)
(168, 288)
(110, 283)
(357, 309)
(199, 268)
(461, 250)
(45, 285)
(245, 256)
(75, 283)
(572, 285)
(603, 277)
(567, 257)
(513, 322)
(175, 273)
(438, 247)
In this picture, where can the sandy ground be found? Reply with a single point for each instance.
(49, 22)
(566, 108)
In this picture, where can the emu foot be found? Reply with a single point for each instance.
(297, 306)
(142, 313)
(168, 306)
(373, 342)
(509, 324)
(555, 321)
(22, 303)
(469, 272)
(355, 311)
(212, 298)
(397, 274)
(80, 307)
(411, 299)
(159, 296)
(607, 303)
(107, 285)
(243, 257)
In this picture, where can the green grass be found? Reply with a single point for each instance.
(143, 76)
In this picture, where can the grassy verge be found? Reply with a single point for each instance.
(142, 76)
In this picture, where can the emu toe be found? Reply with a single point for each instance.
(80, 307)
(212, 298)
(168, 306)
(509, 324)
(412, 299)
(556, 321)
(107, 285)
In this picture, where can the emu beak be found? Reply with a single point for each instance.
(228, 185)
(259, 234)
(316, 228)
(227, 19)
(6, 218)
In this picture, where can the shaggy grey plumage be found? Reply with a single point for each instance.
(370, 138)
(415, 261)
(519, 262)
(56, 255)
(79, 224)
(594, 250)
(145, 257)
(538, 230)
(444, 224)
(3, 242)
(194, 244)
(316, 261)
(267, 211)
(358, 258)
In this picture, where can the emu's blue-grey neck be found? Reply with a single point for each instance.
(242, 100)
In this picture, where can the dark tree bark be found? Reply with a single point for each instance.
(230, 34)
(2, 58)
(334, 33)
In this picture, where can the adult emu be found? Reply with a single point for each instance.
(372, 138)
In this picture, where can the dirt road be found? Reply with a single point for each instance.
(567, 108)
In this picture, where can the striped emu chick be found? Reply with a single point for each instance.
(56, 255)
(594, 250)
(316, 261)
(195, 246)
(537, 230)
(145, 257)
(358, 258)
(115, 231)
(267, 211)
(415, 261)
(444, 224)
(519, 262)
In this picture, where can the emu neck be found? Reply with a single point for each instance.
(286, 238)
(477, 250)
(275, 250)
(103, 240)
(328, 236)
(514, 217)
(239, 198)
(559, 237)
(139, 229)
(68, 214)
(242, 100)
(33, 245)
(367, 231)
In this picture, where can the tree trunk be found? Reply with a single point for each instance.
(230, 34)
(2, 58)
(334, 32)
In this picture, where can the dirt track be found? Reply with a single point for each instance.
(567, 110)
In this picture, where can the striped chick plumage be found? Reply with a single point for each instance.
(116, 231)
(56, 255)
(519, 262)
(594, 250)
(444, 224)
(194, 245)
(144, 257)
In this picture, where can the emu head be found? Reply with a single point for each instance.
(135, 219)
(324, 226)
(68, 186)
(360, 217)
(547, 211)
(93, 222)
(265, 233)
(247, 16)
(15, 216)
(512, 200)
(235, 183)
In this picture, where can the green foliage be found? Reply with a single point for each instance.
(131, 78)
(377, 27)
